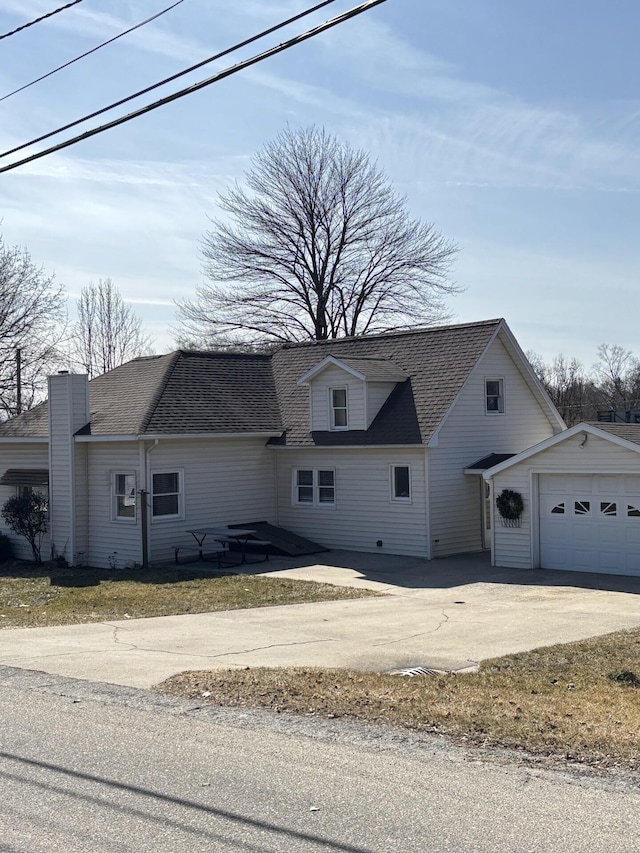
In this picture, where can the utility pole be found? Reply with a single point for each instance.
(18, 380)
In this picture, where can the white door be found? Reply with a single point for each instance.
(590, 523)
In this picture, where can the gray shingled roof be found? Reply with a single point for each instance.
(187, 393)
(376, 369)
(178, 393)
(437, 362)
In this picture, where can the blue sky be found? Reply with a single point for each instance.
(514, 127)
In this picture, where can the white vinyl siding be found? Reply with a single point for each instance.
(466, 436)
(320, 399)
(22, 456)
(516, 547)
(364, 514)
(377, 393)
(110, 541)
(68, 412)
(225, 481)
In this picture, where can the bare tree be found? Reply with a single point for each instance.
(107, 332)
(318, 246)
(570, 388)
(31, 328)
(617, 374)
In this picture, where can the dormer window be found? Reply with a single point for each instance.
(494, 396)
(339, 419)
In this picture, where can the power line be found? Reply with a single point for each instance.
(227, 72)
(93, 50)
(168, 79)
(41, 18)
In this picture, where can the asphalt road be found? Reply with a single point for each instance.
(89, 767)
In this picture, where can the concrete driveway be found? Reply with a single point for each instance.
(446, 614)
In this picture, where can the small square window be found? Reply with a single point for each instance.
(494, 396)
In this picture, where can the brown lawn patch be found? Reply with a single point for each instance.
(31, 597)
(566, 701)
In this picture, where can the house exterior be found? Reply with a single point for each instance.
(373, 443)
(581, 495)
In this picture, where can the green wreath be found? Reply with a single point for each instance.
(510, 504)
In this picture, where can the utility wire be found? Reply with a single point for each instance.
(168, 79)
(227, 72)
(93, 50)
(41, 18)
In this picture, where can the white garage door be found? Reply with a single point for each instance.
(590, 523)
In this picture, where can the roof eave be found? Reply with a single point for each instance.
(567, 434)
(156, 436)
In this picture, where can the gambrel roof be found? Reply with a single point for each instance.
(201, 393)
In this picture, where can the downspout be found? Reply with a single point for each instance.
(144, 504)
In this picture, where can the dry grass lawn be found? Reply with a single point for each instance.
(32, 598)
(579, 701)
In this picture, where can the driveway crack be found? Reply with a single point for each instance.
(442, 622)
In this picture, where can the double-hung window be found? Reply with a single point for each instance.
(123, 491)
(494, 396)
(166, 494)
(339, 415)
(314, 487)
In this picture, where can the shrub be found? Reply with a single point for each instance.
(26, 515)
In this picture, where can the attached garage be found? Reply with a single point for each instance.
(580, 493)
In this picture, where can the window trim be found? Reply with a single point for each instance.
(123, 519)
(501, 399)
(392, 484)
(315, 503)
(333, 408)
(155, 519)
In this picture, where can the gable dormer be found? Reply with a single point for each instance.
(347, 393)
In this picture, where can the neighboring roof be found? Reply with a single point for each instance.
(437, 361)
(487, 462)
(25, 477)
(623, 435)
(629, 432)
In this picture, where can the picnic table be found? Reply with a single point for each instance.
(223, 537)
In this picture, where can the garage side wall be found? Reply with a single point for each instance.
(516, 547)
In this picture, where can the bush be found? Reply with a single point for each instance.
(26, 515)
